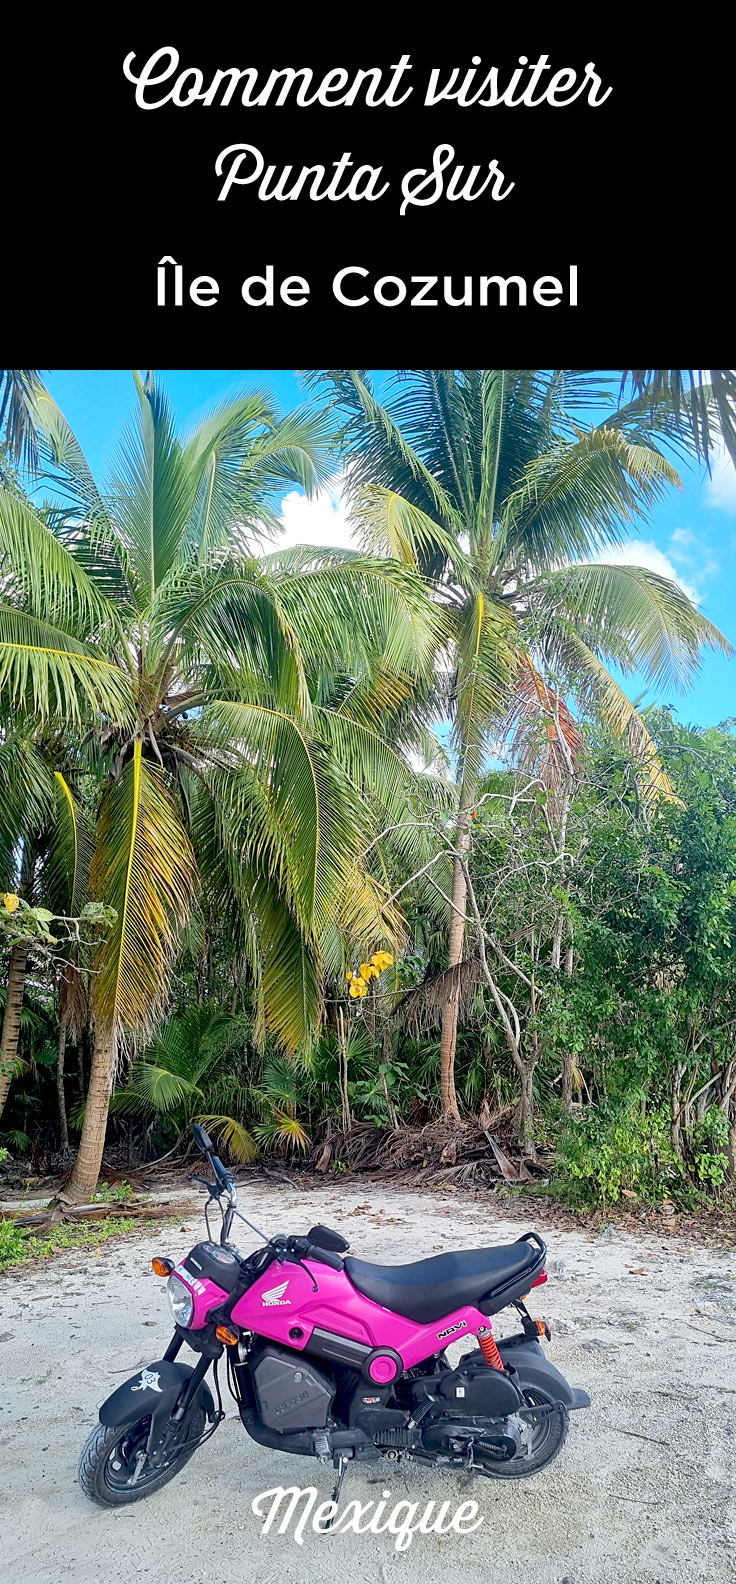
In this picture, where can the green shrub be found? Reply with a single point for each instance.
(610, 1151)
(18, 1249)
(12, 1244)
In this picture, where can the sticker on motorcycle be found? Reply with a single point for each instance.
(275, 1295)
(461, 1324)
(148, 1381)
(191, 1281)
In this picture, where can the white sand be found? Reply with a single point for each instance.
(655, 1351)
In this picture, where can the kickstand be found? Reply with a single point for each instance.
(341, 1466)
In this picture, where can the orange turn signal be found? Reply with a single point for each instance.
(224, 1334)
(162, 1267)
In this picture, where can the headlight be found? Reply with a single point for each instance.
(181, 1300)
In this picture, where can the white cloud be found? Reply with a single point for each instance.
(720, 489)
(645, 553)
(320, 521)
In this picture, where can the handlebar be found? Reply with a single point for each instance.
(301, 1248)
(202, 1139)
(223, 1178)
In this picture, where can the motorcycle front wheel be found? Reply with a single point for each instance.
(110, 1458)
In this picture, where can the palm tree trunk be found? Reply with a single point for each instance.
(11, 1019)
(448, 1040)
(61, 1052)
(86, 1171)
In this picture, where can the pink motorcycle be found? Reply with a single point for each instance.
(337, 1359)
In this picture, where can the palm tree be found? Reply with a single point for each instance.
(139, 615)
(487, 482)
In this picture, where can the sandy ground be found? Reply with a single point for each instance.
(643, 1490)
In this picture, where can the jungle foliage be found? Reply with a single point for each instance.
(232, 895)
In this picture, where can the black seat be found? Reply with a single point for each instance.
(429, 1289)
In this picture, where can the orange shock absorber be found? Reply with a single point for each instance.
(489, 1349)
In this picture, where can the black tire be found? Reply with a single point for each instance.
(547, 1440)
(108, 1460)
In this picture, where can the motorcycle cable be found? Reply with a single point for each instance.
(189, 1448)
(253, 1228)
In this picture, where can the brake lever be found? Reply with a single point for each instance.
(213, 1189)
(294, 1259)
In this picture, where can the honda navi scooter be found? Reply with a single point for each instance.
(335, 1358)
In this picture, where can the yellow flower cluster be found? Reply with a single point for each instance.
(358, 982)
(11, 902)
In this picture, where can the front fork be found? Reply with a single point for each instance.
(163, 1436)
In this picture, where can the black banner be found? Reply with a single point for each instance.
(508, 194)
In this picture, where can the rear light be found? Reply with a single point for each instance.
(540, 1279)
(162, 1267)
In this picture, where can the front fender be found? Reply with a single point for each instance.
(154, 1390)
(534, 1369)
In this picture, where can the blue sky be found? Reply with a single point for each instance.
(691, 535)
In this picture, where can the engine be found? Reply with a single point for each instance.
(292, 1393)
(475, 1388)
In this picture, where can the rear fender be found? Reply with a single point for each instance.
(154, 1390)
(533, 1368)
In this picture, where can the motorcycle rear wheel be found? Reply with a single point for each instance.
(108, 1460)
(547, 1438)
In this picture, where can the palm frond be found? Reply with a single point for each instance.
(534, 702)
(485, 646)
(320, 820)
(84, 523)
(281, 1131)
(630, 615)
(346, 608)
(700, 396)
(230, 616)
(602, 690)
(144, 868)
(154, 1091)
(579, 496)
(69, 855)
(27, 797)
(41, 571)
(48, 673)
(18, 389)
(153, 492)
(234, 1139)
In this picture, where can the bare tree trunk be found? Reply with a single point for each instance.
(238, 976)
(732, 1143)
(448, 1039)
(61, 1052)
(728, 1102)
(561, 840)
(11, 1019)
(86, 1171)
(566, 1055)
(525, 1070)
(676, 1111)
(567, 1082)
(347, 1121)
